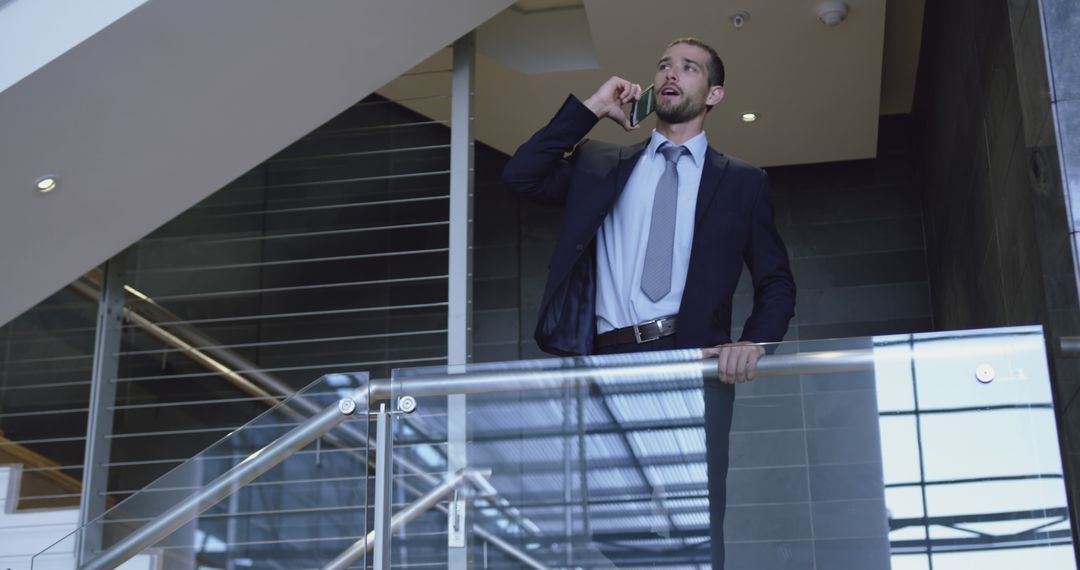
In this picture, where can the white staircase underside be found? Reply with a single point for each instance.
(170, 102)
(33, 33)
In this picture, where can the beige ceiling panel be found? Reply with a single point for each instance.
(540, 42)
(817, 89)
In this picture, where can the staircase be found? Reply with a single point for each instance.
(173, 100)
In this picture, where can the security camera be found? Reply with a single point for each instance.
(738, 19)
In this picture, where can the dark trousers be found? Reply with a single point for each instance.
(719, 402)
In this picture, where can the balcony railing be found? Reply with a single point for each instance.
(886, 452)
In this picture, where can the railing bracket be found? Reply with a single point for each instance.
(456, 522)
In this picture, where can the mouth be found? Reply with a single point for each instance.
(669, 91)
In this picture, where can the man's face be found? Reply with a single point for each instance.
(682, 84)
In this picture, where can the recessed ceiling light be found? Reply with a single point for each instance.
(45, 184)
(749, 117)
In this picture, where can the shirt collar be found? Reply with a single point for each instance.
(696, 146)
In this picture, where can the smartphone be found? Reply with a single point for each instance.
(643, 107)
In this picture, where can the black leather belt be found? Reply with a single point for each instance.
(640, 333)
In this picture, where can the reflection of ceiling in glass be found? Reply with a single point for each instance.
(981, 457)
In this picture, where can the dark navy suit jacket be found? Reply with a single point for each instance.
(733, 226)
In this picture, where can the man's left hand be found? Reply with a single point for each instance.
(737, 361)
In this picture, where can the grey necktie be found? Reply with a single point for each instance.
(656, 274)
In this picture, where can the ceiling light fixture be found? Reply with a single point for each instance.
(45, 184)
(749, 117)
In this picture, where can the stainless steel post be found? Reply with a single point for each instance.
(583, 472)
(99, 423)
(384, 449)
(459, 283)
(568, 473)
(423, 504)
(228, 483)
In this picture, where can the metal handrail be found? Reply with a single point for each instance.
(226, 484)
(203, 350)
(552, 373)
(361, 547)
(687, 364)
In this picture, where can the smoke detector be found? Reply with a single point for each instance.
(832, 12)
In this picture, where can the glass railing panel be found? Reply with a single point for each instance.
(298, 513)
(421, 459)
(912, 451)
(977, 458)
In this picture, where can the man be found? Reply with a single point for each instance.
(654, 238)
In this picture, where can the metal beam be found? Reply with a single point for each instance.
(384, 450)
(99, 424)
(459, 284)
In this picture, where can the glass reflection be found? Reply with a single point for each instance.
(915, 463)
(972, 466)
(940, 452)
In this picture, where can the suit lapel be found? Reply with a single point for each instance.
(711, 175)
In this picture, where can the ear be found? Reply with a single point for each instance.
(716, 94)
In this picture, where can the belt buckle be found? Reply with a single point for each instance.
(637, 333)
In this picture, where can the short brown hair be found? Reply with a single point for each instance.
(715, 64)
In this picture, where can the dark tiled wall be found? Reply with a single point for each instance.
(981, 226)
(854, 231)
(1057, 146)
(805, 486)
(497, 262)
(995, 109)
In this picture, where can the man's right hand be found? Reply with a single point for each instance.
(608, 101)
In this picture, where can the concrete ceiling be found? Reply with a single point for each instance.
(818, 90)
(154, 111)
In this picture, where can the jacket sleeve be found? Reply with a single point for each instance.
(770, 272)
(540, 169)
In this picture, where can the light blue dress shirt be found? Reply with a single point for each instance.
(620, 245)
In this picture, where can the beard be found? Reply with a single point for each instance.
(681, 112)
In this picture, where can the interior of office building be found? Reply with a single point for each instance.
(268, 302)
